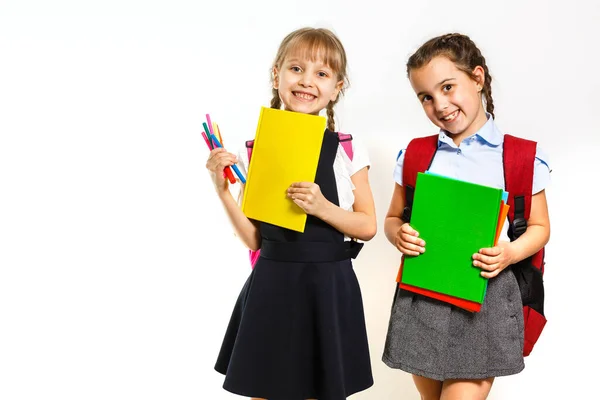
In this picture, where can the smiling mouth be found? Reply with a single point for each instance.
(450, 117)
(304, 96)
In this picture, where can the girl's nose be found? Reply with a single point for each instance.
(440, 105)
(306, 80)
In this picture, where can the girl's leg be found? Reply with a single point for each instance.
(429, 389)
(476, 389)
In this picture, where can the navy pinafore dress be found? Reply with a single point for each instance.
(298, 329)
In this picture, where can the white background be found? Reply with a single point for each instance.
(118, 270)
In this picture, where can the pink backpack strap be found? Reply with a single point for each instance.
(253, 255)
(346, 142)
(249, 147)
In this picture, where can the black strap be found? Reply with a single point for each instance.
(409, 193)
(519, 225)
(309, 252)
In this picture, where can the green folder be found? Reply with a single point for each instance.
(455, 219)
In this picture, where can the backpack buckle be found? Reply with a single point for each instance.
(519, 226)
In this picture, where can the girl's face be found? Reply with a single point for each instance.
(451, 98)
(305, 85)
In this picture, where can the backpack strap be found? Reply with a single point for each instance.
(249, 147)
(518, 159)
(345, 141)
(418, 157)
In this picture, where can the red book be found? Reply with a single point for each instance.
(456, 301)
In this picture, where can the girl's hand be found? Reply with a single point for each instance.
(308, 196)
(217, 161)
(492, 260)
(408, 242)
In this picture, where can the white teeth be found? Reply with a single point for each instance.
(305, 96)
(451, 116)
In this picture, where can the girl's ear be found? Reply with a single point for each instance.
(338, 88)
(479, 77)
(275, 78)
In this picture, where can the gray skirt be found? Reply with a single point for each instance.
(430, 338)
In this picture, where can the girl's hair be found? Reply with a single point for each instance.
(459, 49)
(311, 43)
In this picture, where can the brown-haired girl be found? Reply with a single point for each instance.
(453, 353)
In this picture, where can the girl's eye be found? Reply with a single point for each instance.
(323, 74)
(295, 69)
(425, 98)
(447, 88)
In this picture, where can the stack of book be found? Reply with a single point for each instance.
(456, 219)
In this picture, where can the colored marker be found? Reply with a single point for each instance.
(209, 142)
(205, 140)
(217, 133)
(210, 125)
(235, 168)
(208, 135)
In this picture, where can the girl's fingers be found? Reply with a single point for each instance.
(491, 251)
(298, 196)
(220, 162)
(294, 190)
(300, 204)
(486, 267)
(302, 184)
(217, 153)
(484, 260)
(412, 239)
(412, 247)
(406, 228)
(220, 166)
(406, 251)
(491, 274)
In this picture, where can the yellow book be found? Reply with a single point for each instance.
(286, 149)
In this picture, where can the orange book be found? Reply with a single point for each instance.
(501, 218)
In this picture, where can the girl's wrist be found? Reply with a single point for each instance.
(224, 194)
(324, 211)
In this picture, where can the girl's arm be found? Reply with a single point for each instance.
(493, 260)
(243, 227)
(393, 220)
(398, 232)
(360, 223)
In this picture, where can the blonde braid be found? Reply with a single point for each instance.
(330, 116)
(275, 101)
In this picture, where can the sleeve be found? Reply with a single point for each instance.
(360, 157)
(398, 167)
(541, 171)
(344, 168)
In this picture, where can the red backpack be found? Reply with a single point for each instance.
(518, 161)
(345, 141)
